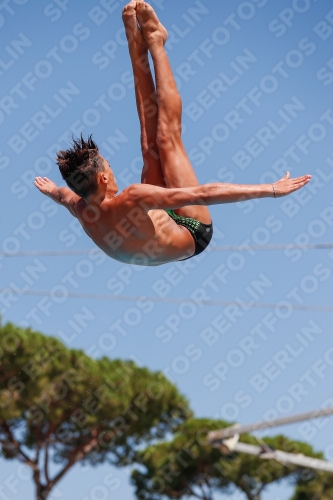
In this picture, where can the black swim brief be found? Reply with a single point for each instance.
(202, 233)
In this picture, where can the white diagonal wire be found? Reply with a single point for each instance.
(224, 248)
(164, 300)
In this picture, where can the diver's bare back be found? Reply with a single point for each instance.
(129, 232)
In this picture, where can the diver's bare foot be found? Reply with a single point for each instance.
(133, 31)
(152, 30)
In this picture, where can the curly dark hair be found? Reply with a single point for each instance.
(79, 165)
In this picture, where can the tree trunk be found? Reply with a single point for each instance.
(42, 492)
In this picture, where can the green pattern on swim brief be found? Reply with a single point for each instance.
(191, 224)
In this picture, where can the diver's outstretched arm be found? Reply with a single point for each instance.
(63, 196)
(151, 197)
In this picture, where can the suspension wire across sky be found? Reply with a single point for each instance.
(226, 248)
(167, 300)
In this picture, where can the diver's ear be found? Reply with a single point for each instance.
(103, 178)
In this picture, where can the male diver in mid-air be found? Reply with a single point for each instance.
(166, 217)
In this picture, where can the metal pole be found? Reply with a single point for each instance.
(217, 436)
(282, 456)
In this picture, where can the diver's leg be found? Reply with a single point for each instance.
(152, 172)
(177, 168)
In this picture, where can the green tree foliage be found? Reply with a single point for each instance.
(315, 486)
(58, 405)
(184, 467)
(188, 467)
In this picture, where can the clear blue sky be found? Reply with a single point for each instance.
(256, 80)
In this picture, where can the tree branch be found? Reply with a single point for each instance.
(75, 456)
(23, 457)
(193, 493)
(260, 489)
(39, 445)
(6, 376)
(16, 445)
(204, 497)
(209, 487)
(46, 462)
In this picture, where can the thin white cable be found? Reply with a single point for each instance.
(225, 248)
(165, 300)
